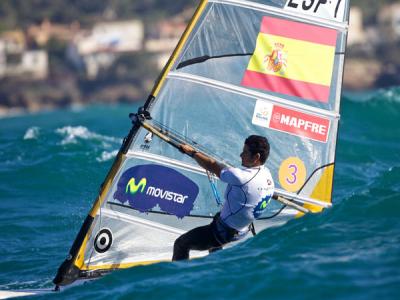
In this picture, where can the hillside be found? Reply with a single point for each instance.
(132, 75)
(21, 13)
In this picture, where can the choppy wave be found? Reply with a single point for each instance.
(390, 95)
(105, 156)
(48, 182)
(72, 134)
(32, 133)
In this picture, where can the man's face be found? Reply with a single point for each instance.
(248, 160)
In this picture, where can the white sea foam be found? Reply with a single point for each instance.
(105, 156)
(72, 134)
(390, 95)
(32, 133)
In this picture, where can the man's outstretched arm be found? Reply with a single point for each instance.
(203, 160)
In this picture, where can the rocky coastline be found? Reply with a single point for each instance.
(24, 96)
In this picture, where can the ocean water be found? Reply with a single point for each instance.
(52, 163)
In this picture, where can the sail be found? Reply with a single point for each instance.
(272, 68)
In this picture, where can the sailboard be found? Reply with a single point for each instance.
(267, 67)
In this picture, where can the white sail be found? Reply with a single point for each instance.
(241, 68)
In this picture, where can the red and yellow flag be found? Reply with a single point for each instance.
(292, 58)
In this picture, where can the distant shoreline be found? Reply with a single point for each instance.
(20, 97)
(9, 112)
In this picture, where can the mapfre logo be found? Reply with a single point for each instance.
(291, 121)
(148, 186)
(300, 124)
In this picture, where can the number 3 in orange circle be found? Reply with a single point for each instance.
(292, 174)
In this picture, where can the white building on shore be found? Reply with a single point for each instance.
(389, 22)
(357, 34)
(16, 61)
(164, 36)
(98, 48)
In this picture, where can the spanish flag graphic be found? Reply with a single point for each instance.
(292, 58)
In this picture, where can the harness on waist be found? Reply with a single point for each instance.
(225, 234)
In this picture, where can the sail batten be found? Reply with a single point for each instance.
(134, 220)
(166, 161)
(250, 93)
(303, 199)
(187, 167)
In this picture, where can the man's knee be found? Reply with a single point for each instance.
(180, 242)
(181, 248)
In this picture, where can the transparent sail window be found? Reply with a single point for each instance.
(220, 120)
(225, 43)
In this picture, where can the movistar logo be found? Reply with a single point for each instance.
(133, 188)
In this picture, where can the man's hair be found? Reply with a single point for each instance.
(258, 144)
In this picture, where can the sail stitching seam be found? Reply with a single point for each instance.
(242, 91)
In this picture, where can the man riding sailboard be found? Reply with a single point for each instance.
(154, 200)
(246, 196)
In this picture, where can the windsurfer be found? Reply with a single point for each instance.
(246, 197)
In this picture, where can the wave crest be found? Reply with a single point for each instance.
(389, 95)
(32, 133)
(72, 134)
(105, 156)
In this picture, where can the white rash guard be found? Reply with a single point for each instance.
(246, 196)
